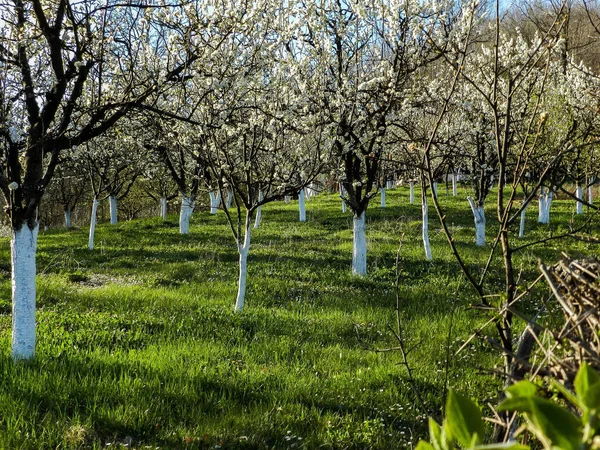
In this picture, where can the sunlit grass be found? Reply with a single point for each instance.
(138, 344)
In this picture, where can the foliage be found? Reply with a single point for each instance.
(555, 426)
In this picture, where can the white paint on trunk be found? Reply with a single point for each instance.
(479, 216)
(382, 197)
(187, 207)
(229, 198)
(342, 194)
(454, 185)
(579, 195)
(258, 211)
(215, 198)
(425, 228)
(113, 209)
(67, 219)
(545, 202)
(163, 208)
(591, 192)
(243, 251)
(286, 199)
(390, 184)
(522, 222)
(435, 188)
(359, 245)
(93, 220)
(412, 192)
(23, 250)
(302, 206)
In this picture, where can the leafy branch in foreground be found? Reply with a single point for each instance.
(555, 426)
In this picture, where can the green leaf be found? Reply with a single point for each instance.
(503, 446)
(424, 445)
(522, 389)
(519, 404)
(463, 418)
(557, 424)
(587, 387)
(436, 436)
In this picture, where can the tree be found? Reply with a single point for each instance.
(70, 71)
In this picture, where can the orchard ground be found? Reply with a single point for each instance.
(139, 347)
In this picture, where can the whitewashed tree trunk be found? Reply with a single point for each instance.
(302, 206)
(229, 198)
(286, 199)
(215, 198)
(23, 249)
(382, 197)
(359, 245)
(412, 192)
(258, 211)
(425, 228)
(187, 207)
(479, 216)
(545, 202)
(435, 188)
(579, 195)
(93, 220)
(243, 250)
(113, 209)
(163, 208)
(342, 193)
(591, 191)
(67, 220)
(454, 185)
(522, 222)
(390, 184)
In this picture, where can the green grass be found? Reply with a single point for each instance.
(138, 344)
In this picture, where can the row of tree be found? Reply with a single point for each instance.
(254, 100)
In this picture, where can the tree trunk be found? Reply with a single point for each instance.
(302, 206)
(383, 197)
(93, 219)
(68, 220)
(243, 251)
(425, 229)
(229, 198)
(479, 216)
(389, 184)
(163, 208)
(412, 192)
(435, 188)
(545, 202)
(215, 198)
(23, 250)
(342, 192)
(359, 245)
(454, 185)
(522, 222)
(591, 192)
(579, 195)
(286, 199)
(113, 209)
(258, 211)
(187, 207)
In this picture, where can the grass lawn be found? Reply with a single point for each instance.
(138, 345)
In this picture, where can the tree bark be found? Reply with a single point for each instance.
(187, 207)
(382, 197)
(425, 227)
(522, 222)
(113, 209)
(163, 208)
(579, 195)
(479, 216)
(215, 198)
(23, 252)
(302, 206)
(359, 245)
(93, 219)
(68, 220)
(412, 192)
(258, 211)
(243, 250)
